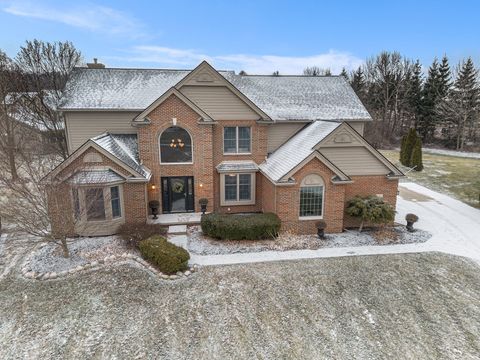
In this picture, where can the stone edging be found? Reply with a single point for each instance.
(28, 273)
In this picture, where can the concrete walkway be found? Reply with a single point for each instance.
(455, 229)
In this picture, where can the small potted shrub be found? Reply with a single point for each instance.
(411, 219)
(203, 204)
(154, 206)
(321, 225)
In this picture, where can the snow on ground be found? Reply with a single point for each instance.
(464, 154)
(455, 229)
(49, 258)
(202, 245)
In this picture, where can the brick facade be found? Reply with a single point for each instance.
(60, 198)
(207, 144)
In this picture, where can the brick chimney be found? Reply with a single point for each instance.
(95, 64)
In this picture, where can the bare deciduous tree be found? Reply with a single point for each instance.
(29, 204)
(316, 71)
(46, 68)
(10, 134)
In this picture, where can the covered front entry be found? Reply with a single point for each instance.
(177, 194)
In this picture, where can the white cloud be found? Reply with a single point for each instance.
(86, 16)
(252, 64)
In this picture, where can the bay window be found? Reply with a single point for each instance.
(237, 189)
(97, 203)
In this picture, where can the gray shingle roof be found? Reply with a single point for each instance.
(117, 89)
(302, 97)
(124, 147)
(296, 149)
(281, 97)
(96, 177)
(234, 166)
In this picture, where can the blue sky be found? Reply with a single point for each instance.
(257, 36)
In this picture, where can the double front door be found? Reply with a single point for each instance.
(177, 194)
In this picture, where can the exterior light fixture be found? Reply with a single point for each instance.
(153, 187)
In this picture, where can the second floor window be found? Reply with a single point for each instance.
(175, 146)
(236, 140)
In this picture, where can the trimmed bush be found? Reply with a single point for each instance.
(241, 227)
(167, 257)
(132, 234)
(370, 209)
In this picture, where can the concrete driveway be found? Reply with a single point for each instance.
(454, 225)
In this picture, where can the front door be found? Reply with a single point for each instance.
(177, 194)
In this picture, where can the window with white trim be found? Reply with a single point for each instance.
(311, 196)
(237, 140)
(115, 200)
(238, 189)
(176, 146)
(95, 204)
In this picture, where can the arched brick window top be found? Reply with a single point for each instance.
(312, 190)
(312, 180)
(176, 146)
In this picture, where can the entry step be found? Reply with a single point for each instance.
(177, 229)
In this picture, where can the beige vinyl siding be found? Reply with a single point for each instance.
(355, 160)
(359, 126)
(219, 102)
(83, 125)
(279, 133)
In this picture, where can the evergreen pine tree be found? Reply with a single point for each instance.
(426, 125)
(445, 78)
(358, 82)
(410, 140)
(415, 92)
(402, 148)
(465, 98)
(344, 74)
(416, 159)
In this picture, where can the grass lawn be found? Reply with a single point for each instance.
(456, 176)
(415, 306)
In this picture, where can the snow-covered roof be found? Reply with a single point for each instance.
(296, 149)
(96, 177)
(302, 97)
(124, 147)
(235, 166)
(118, 89)
(280, 97)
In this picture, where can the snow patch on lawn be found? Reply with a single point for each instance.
(464, 154)
(203, 245)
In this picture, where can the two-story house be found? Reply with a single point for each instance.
(291, 145)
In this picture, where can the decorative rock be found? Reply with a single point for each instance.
(63, 273)
(179, 273)
(29, 274)
(187, 273)
(131, 256)
(53, 275)
(94, 263)
(173, 277)
(163, 276)
(79, 268)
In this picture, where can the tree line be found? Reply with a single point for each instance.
(443, 104)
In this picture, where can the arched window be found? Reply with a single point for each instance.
(312, 190)
(175, 146)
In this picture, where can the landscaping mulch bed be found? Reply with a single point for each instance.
(49, 258)
(203, 245)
